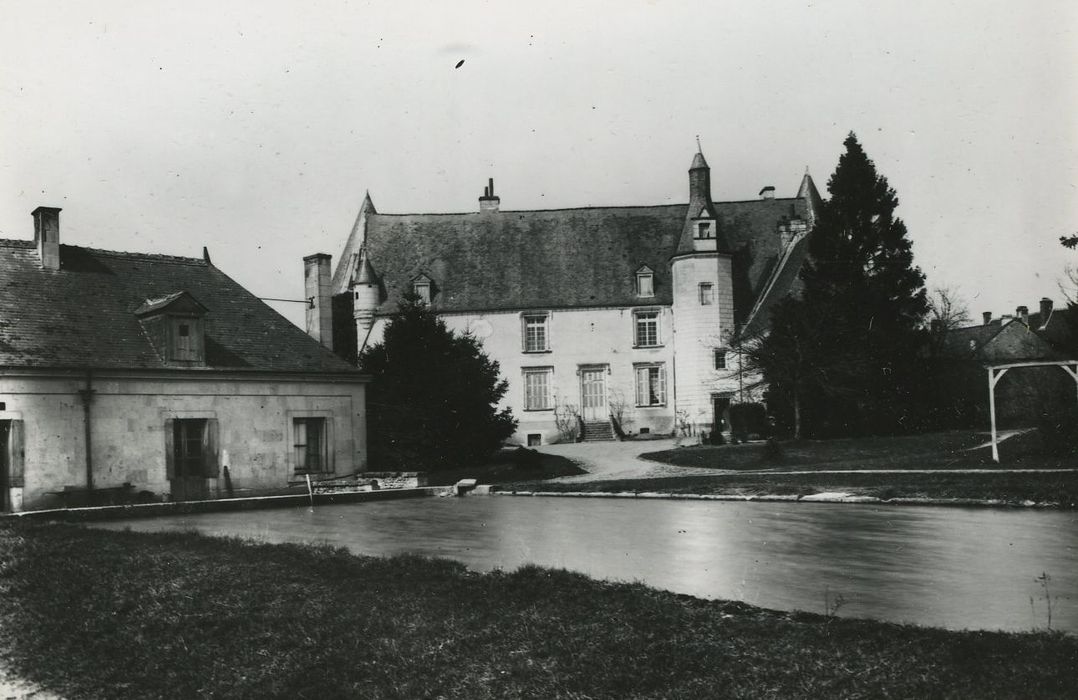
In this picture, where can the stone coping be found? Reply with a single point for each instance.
(149, 510)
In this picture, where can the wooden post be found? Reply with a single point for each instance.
(992, 411)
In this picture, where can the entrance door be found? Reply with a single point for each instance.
(189, 451)
(5, 466)
(593, 393)
(721, 406)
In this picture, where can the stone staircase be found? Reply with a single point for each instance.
(598, 431)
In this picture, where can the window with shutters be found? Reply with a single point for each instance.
(650, 385)
(310, 445)
(537, 388)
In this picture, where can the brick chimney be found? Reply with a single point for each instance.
(1022, 312)
(1046, 309)
(317, 291)
(47, 236)
(767, 192)
(987, 315)
(489, 201)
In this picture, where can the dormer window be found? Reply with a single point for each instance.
(645, 282)
(175, 326)
(705, 229)
(421, 287)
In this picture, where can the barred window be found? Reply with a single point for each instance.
(537, 384)
(650, 385)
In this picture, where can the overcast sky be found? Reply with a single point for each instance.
(254, 127)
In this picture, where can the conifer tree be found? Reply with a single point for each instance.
(433, 395)
(858, 318)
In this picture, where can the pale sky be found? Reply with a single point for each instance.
(253, 127)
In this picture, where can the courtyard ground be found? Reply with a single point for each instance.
(948, 466)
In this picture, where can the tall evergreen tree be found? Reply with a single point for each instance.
(433, 395)
(859, 316)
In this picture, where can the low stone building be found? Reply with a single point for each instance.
(129, 376)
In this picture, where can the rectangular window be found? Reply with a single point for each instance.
(720, 358)
(537, 385)
(650, 385)
(183, 342)
(703, 229)
(645, 284)
(188, 437)
(309, 443)
(536, 337)
(707, 294)
(422, 290)
(647, 328)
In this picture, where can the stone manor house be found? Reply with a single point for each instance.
(626, 312)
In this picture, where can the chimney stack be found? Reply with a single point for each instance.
(767, 192)
(317, 290)
(47, 236)
(489, 201)
(1022, 312)
(1046, 310)
(987, 317)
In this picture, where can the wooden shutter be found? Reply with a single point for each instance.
(211, 466)
(16, 454)
(170, 449)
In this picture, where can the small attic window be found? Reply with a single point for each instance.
(645, 282)
(175, 325)
(704, 229)
(421, 288)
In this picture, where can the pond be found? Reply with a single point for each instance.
(958, 568)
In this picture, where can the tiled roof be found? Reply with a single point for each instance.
(83, 315)
(998, 342)
(563, 257)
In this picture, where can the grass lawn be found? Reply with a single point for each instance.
(97, 614)
(1055, 489)
(947, 450)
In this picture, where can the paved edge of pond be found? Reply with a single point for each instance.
(149, 510)
(830, 497)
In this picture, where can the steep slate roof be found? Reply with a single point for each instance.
(83, 315)
(562, 257)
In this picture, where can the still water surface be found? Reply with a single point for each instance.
(946, 567)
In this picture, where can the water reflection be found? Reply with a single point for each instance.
(946, 567)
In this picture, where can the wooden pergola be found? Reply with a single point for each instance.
(996, 372)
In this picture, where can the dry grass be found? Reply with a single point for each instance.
(118, 614)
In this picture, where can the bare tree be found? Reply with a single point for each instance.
(947, 309)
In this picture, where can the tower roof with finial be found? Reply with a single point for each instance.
(698, 160)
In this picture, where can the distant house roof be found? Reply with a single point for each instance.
(84, 314)
(998, 341)
(558, 258)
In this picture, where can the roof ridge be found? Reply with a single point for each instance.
(144, 256)
(583, 208)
